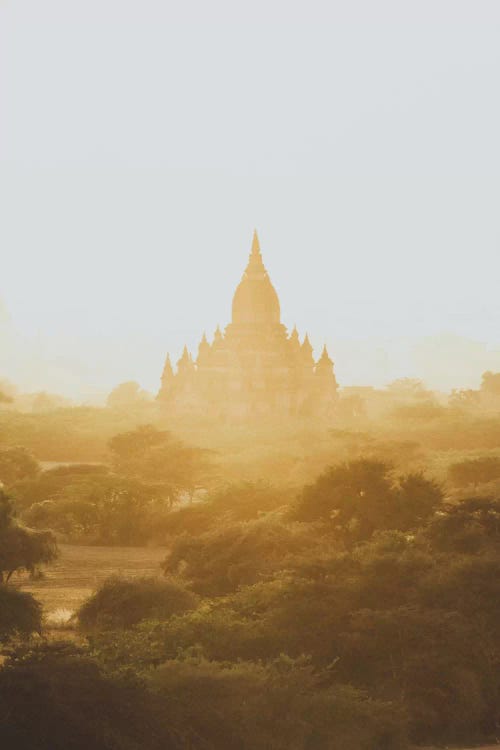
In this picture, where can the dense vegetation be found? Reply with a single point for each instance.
(352, 602)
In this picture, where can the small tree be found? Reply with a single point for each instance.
(474, 471)
(21, 548)
(156, 458)
(466, 398)
(410, 388)
(469, 527)
(127, 394)
(17, 464)
(490, 383)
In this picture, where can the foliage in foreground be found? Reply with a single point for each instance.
(55, 697)
(391, 592)
(284, 705)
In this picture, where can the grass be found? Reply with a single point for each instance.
(79, 570)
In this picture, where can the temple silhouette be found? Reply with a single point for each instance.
(254, 369)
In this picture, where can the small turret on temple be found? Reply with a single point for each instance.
(203, 352)
(167, 376)
(252, 369)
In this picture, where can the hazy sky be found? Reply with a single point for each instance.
(141, 142)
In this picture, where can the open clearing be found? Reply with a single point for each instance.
(80, 570)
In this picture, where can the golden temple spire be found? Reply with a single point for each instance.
(255, 265)
(255, 243)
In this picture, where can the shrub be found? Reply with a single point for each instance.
(121, 603)
(20, 613)
(474, 471)
(15, 464)
(471, 526)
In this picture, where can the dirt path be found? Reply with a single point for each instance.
(80, 570)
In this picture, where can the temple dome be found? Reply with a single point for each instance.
(255, 301)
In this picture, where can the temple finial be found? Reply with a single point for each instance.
(255, 265)
(255, 243)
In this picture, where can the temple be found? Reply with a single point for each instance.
(253, 369)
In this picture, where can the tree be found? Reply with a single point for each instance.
(346, 494)
(466, 398)
(471, 526)
(156, 458)
(21, 548)
(360, 497)
(17, 464)
(419, 497)
(474, 471)
(236, 554)
(8, 391)
(410, 388)
(490, 383)
(43, 402)
(127, 394)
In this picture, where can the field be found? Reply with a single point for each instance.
(80, 570)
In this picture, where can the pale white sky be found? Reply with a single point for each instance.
(141, 142)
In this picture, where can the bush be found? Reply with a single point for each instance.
(15, 464)
(121, 603)
(474, 471)
(20, 613)
(471, 526)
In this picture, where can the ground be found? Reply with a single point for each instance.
(79, 570)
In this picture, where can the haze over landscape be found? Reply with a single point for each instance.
(249, 375)
(141, 144)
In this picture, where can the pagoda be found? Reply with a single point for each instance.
(254, 369)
